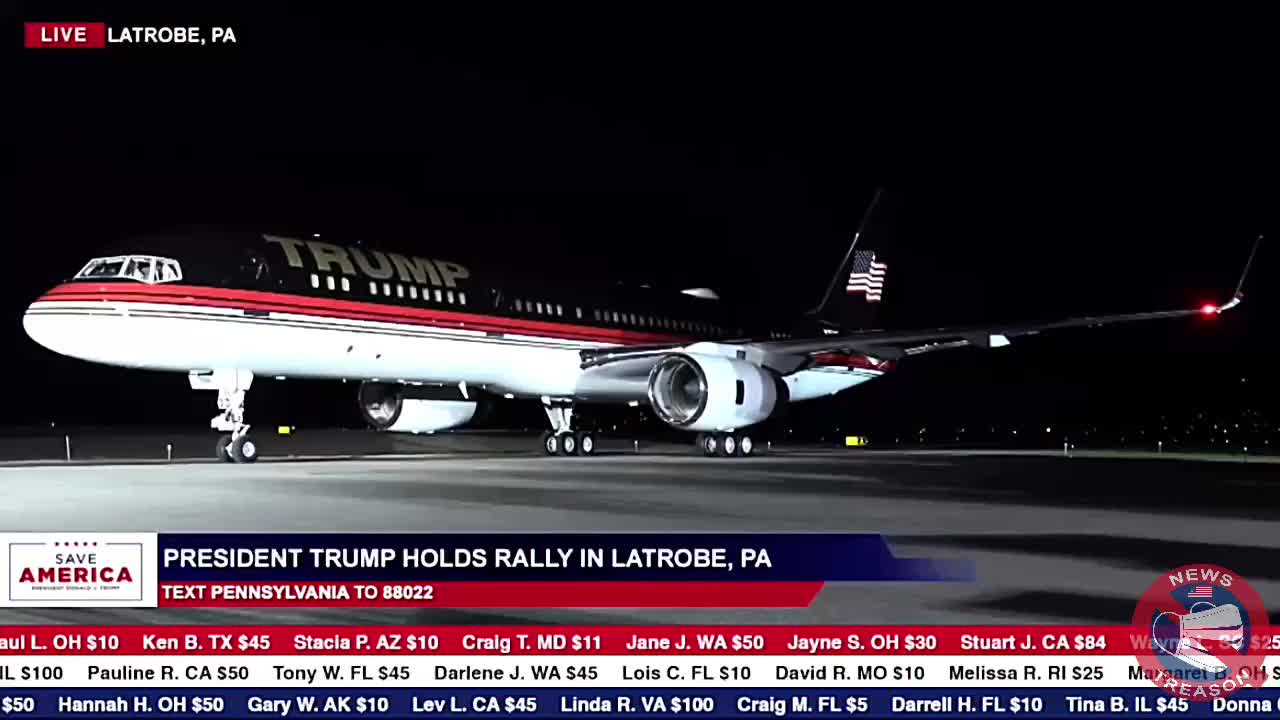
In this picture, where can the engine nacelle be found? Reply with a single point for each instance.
(711, 393)
(414, 408)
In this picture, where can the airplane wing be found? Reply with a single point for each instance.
(893, 344)
(786, 356)
(897, 344)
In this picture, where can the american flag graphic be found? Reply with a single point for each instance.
(867, 276)
(1201, 591)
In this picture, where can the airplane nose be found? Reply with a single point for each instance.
(55, 327)
(87, 326)
(35, 322)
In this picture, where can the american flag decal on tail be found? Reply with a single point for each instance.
(867, 276)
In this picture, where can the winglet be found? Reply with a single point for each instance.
(1244, 274)
(1238, 296)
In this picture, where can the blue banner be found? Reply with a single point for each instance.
(629, 703)
(809, 557)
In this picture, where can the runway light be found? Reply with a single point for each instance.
(1208, 309)
(509, 396)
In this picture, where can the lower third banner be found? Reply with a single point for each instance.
(449, 570)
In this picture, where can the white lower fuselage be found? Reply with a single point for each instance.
(276, 335)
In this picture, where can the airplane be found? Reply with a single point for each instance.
(430, 341)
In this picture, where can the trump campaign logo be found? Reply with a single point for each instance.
(65, 569)
(1205, 632)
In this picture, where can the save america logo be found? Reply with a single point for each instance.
(75, 569)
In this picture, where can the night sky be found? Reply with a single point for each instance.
(1059, 171)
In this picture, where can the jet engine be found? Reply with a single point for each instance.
(712, 393)
(417, 408)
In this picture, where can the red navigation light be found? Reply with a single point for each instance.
(1208, 309)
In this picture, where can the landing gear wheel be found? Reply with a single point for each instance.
(710, 444)
(221, 452)
(728, 445)
(243, 450)
(746, 445)
(232, 384)
(550, 443)
(586, 443)
(568, 443)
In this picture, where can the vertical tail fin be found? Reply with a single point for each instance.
(857, 290)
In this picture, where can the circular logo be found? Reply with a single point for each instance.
(1200, 631)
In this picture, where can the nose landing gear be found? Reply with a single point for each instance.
(235, 445)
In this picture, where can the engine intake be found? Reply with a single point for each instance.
(415, 409)
(710, 392)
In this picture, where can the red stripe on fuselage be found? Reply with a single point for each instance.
(194, 295)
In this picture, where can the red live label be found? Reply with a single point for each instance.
(65, 35)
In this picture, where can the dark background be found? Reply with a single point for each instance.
(1048, 166)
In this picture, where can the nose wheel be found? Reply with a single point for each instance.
(236, 449)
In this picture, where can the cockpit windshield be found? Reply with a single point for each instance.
(143, 268)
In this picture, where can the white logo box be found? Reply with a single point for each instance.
(70, 570)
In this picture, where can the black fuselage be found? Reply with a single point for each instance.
(456, 281)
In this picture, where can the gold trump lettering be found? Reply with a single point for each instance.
(373, 264)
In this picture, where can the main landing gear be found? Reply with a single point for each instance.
(727, 444)
(561, 438)
(235, 445)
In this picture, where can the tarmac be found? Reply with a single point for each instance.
(1055, 539)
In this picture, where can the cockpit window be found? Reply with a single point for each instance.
(143, 268)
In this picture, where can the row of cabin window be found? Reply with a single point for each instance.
(398, 290)
(525, 306)
(539, 308)
(606, 316)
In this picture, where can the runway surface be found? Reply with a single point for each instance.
(1055, 539)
